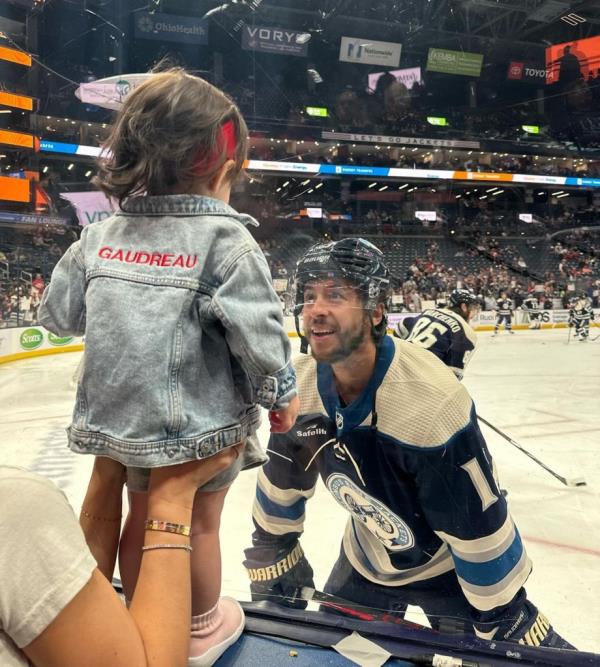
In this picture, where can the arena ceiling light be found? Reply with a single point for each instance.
(566, 194)
(557, 193)
(319, 185)
(372, 185)
(306, 182)
(401, 187)
(385, 187)
(285, 184)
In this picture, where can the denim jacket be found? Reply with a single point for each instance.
(183, 330)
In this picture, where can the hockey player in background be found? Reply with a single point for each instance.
(504, 310)
(532, 307)
(394, 437)
(445, 331)
(580, 315)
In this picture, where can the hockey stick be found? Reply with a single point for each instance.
(577, 481)
(363, 613)
(569, 336)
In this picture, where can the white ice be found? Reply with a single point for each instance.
(532, 385)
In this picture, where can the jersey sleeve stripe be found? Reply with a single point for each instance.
(486, 598)
(274, 524)
(485, 548)
(494, 570)
(281, 496)
(274, 509)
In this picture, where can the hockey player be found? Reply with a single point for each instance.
(580, 315)
(394, 437)
(504, 310)
(531, 306)
(445, 331)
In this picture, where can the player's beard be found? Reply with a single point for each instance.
(350, 341)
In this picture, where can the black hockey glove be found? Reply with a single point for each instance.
(279, 581)
(532, 628)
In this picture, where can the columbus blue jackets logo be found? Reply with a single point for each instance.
(388, 528)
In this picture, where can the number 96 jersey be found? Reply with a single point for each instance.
(443, 332)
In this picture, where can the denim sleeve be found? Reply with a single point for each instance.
(250, 310)
(62, 309)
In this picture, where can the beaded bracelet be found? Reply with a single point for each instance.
(150, 547)
(167, 527)
(98, 518)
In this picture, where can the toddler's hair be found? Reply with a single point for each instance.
(173, 128)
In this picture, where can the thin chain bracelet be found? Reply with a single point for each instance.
(150, 547)
(99, 518)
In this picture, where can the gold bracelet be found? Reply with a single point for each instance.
(98, 518)
(151, 547)
(167, 527)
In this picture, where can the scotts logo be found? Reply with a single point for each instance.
(31, 339)
(58, 340)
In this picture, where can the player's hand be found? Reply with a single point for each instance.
(283, 420)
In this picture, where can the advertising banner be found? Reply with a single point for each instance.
(90, 206)
(167, 27)
(409, 141)
(454, 62)
(109, 93)
(369, 52)
(408, 77)
(527, 72)
(275, 40)
(19, 341)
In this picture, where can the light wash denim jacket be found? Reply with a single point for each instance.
(183, 331)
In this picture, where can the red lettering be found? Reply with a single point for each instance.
(178, 261)
(142, 258)
(131, 256)
(105, 252)
(152, 259)
(190, 262)
(156, 257)
(118, 255)
(166, 259)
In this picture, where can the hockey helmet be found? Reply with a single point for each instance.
(354, 259)
(465, 296)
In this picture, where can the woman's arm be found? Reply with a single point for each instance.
(95, 629)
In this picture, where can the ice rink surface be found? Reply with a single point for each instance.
(542, 392)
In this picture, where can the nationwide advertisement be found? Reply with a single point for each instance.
(275, 40)
(527, 72)
(109, 93)
(408, 77)
(369, 52)
(170, 28)
(571, 61)
(454, 62)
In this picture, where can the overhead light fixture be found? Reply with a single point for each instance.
(566, 194)
(557, 193)
(285, 184)
(71, 166)
(319, 185)
(372, 185)
(5, 110)
(311, 190)
(45, 169)
(403, 186)
(483, 197)
(458, 197)
(306, 182)
(88, 173)
(385, 187)
(278, 190)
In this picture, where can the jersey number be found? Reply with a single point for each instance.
(424, 332)
(480, 483)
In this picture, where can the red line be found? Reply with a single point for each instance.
(572, 547)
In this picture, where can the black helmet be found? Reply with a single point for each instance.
(465, 296)
(354, 259)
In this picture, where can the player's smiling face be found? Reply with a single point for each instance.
(335, 321)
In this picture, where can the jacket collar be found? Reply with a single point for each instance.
(176, 205)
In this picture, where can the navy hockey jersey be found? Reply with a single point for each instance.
(581, 314)
(443, 332)
(504, 306)
(419, 489)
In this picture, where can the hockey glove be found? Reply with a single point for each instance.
(531, 628)
(282, 580)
